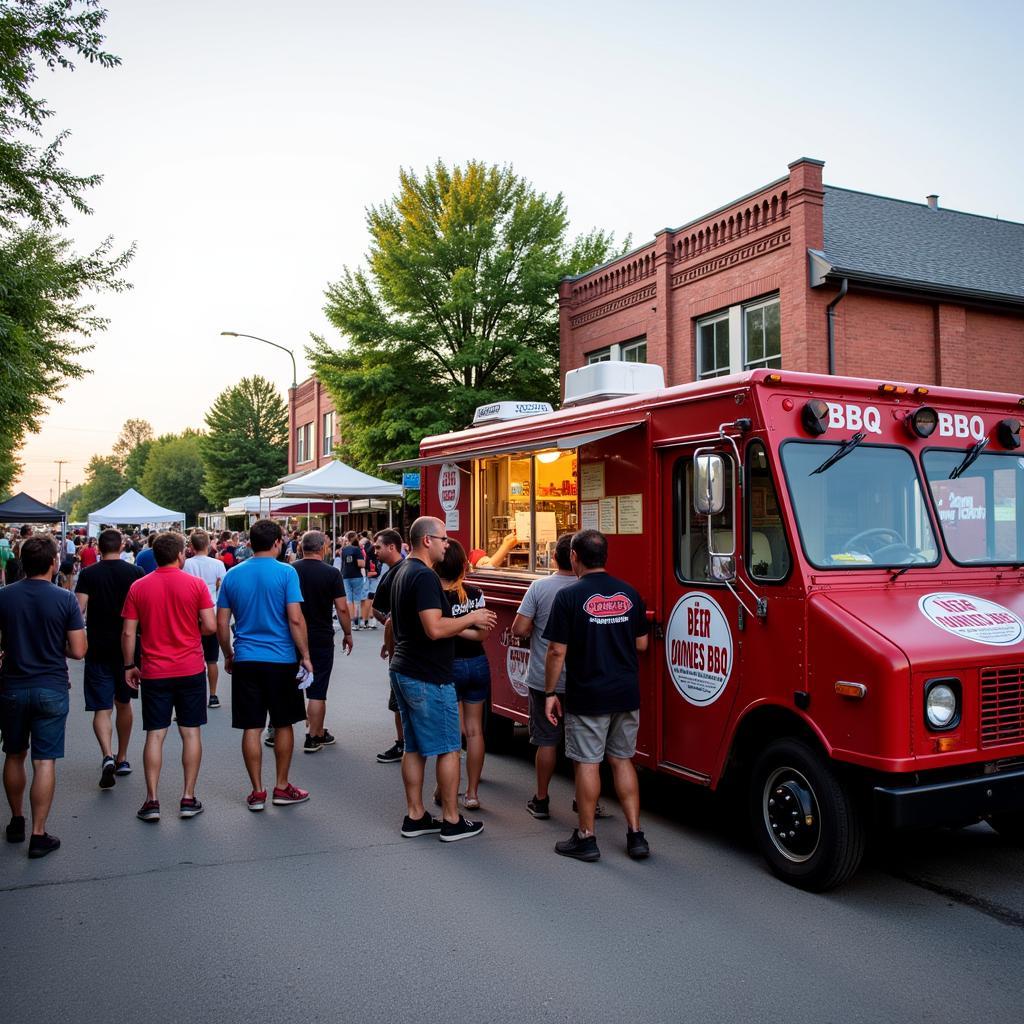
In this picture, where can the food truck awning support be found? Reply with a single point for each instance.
(566, 441)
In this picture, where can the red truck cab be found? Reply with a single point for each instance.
(833, 569)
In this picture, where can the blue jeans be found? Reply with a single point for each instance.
(430, 715)
(36, 714)
(355, 591)
(472, 679)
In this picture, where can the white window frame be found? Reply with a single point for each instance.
(736, 315)
(305, 443)
(764, 360)
(327, 436)
(617, 352)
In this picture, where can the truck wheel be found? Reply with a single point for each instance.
(1010, 825)
(807, 826)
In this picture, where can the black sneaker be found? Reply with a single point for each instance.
(149, 811)
(327, 739)
(578, 848)
(40, 846)
(462, 829)
(599, 811)
(636, 846)
(539, 808)
(214, 701)
(189, 807)
(312, 744)
(107, 779)
(123, 768)
(392, 754)
(268, 740)
(425, 826)
(16, 829)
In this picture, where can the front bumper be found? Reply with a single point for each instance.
(952, 802)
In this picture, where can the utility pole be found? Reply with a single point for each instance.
(61, 463)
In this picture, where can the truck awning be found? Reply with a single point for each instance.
(564, 441)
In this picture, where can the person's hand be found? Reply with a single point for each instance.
(346, 643)
(229, 662)
(553, 708)
(132, 676)
(307, 664)
(483, 618)
(384, 652)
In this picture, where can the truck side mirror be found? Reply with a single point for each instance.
(708, 483)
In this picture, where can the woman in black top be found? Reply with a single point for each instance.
(472, 675)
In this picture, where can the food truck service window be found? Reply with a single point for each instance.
(523, 503)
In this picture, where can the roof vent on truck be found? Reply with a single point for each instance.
(611, 379)
(498, 412)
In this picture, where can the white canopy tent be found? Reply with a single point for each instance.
(132, 509)
(249, 505)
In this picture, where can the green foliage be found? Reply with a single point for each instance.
(173, 474)
(133, 433)
(70, 497)
(135, 463)
(103, 483)
(458, 307)
(246, 444)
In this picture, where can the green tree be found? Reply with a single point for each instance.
(69, 497)
(458, 307)
(133, 433)
(246, 443)
(103, 483)
(135, 464)
(173, 476)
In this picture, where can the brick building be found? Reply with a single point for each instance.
(805, 276)
(313, 426)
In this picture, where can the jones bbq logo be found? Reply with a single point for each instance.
(600, 606)
(973, 618)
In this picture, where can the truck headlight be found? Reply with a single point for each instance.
(942, 704)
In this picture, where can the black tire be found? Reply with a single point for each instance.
(823, 842)
(1010, 825)
(498, 732)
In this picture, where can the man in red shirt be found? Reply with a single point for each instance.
(88, 555)
(174, 611)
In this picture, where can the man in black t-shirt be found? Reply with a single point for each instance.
(387, 547)
(596, 627)
(421, 676)
(101, 591)
(322, 592)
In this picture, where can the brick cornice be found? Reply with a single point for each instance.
(622, 302)
(743, 254)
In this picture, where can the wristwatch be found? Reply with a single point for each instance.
(553, 693)
(128, 668)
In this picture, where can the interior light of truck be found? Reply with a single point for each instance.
(923, 421)
(942, 703)
(892, 389)
(1008, 432)
(548, 456)
(815, 417)
(858, 691)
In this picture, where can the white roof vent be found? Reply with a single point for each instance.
(497, 412)
(610, 379)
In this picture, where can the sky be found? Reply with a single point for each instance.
(241, 143)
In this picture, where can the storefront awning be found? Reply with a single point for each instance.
(564, 441)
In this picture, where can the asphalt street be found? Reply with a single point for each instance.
(322, 912)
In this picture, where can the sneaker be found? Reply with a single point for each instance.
(256, 800)
(425, 826)
(40, 846)
(579, 848)
(16, 829)
(189, 807)
(123, 768)
(107, 779)
(599, 811)
(289, 795)
(539, 808)
(636, 846)
(312, 744)
(214, 701)
(373, 625)
(327, 739)
(392, 754)
(149, 811)
(462, 829)
(268, 740)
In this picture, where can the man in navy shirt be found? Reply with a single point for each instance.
(145, 559)
(40, 627)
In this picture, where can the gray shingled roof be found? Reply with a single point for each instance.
(910, 244)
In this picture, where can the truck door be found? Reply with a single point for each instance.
(701, 660)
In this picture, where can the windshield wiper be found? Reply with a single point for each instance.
(844, 449)
(899, 572)
(972, 453)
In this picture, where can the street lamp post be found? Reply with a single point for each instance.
(238, 334)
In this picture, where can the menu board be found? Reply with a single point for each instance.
(631, 513)
(547, 529)
(606, 517)
(588, 515)
(591, 481)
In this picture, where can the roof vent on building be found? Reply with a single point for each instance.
(498, 412)
(933, 201)
(611, 379)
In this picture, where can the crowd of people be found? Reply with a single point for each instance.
(158, 621)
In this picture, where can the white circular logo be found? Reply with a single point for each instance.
(698, 649)
(449, 486)
(517, 665)
(973, 618)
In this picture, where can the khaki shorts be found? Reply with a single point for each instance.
(588, 738)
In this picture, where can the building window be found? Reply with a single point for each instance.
(743, 337)
(304, 443)
(635, 351)
(327, 435)
(603, 355)
(632, 351)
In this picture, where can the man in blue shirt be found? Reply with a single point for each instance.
(145, 559)
(264, 658)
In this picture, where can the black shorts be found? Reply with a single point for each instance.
(186, 695)
(392, 703)
(323, 665)
(104, 684)
(262, 688)
(211, 649)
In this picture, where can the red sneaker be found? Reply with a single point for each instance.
(256, 800)
(290, 795)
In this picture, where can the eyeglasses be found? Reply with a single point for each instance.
(443, 540)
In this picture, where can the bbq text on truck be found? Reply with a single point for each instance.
(833, 568)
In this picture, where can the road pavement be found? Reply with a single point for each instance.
(322, 912)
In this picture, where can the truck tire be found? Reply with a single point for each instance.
(806, 824)
(1010, 825)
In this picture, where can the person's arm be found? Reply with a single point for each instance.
(224, 637)
(207, 621)
(75, 644)
(297, 627)
(83, 602)
(641, 642)
(522, 626)
(438, 627)
(553, 665)
(341, 607)
(129, 631)
(387, 649)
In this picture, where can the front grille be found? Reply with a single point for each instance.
(1002, 705)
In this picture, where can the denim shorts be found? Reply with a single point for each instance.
(430, 715)
(355, 590)
(36, 714)
(472, 678)
(588, 738)
(185, 695)
(104, 684)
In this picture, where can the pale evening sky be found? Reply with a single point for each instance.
(241, 141)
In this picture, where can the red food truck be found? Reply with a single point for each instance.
(832, 567)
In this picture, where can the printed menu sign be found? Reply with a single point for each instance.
(588, 515)
(591, 481)
(606, 518)
(631, 513)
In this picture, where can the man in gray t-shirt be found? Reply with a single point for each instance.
(530, 621)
